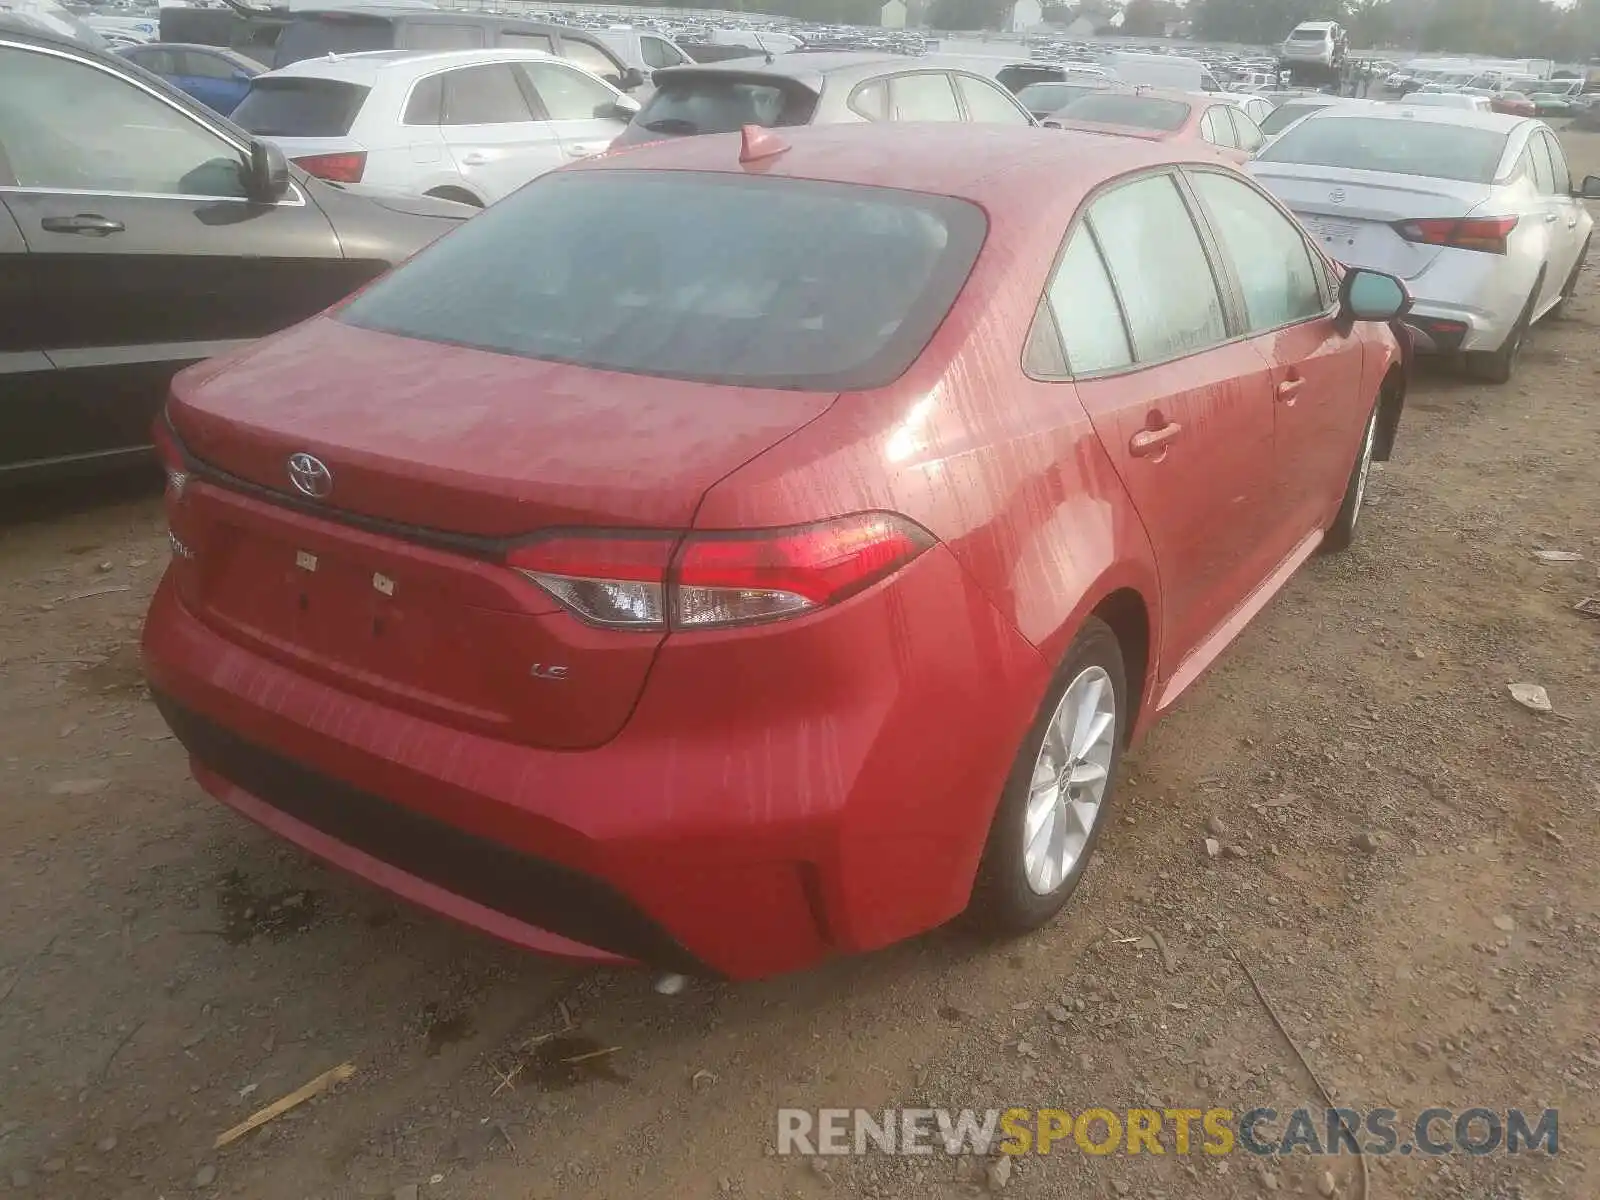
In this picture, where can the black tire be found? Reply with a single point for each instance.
(1570, 290)
(1498, 366)
(1343, 530)
(1003, 904)
(456, 194)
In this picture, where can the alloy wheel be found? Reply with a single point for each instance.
(1070, 776)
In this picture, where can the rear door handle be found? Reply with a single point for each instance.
(1150, 442)
(585, 149)
(1289, 388)
(87, 224)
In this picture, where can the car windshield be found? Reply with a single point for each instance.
(1436, 150)
(1123, 108)
(712, 104)
(727, 279)
(1308, 35)
(290, 106)
(1287, 114)
(1049, 97)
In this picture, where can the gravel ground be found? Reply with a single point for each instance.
(1407, 859)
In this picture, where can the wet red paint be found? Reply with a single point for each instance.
(772, 794)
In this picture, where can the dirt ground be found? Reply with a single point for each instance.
(166, 968)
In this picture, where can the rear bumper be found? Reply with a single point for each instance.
(779, 795)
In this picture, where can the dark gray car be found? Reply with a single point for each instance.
(816, 89)
(141, 232)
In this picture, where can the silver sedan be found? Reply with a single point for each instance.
(1475, 211)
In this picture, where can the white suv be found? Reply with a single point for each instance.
(1320, 42)
(466, 125)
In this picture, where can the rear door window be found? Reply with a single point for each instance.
(989, 103)
(197, 64)
(1217, 129)
(871, 100)
(1544, 175)
(1247, 134)
(294, 106)
(1558, 164)
(591, 59)
(486, 95)
(656, 53)
(735, 279)
(1086, 311)
(426, 103)
(1159, 268)
(434, 35)
(567, 93)
(922, 96)
(721, 103)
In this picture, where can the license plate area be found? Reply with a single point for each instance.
(342, 613)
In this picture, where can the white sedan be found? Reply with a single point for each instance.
(464, 125)
(1475, 211)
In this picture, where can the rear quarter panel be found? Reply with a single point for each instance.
(1005, 470)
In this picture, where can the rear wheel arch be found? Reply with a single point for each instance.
(1391, 402)
(459, 194)
(1127, 615)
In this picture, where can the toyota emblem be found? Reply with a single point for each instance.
(310, 476)
(1337, 196)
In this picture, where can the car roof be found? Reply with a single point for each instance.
(810, 68)
(433, 16)
(369, 64)
(1435, 115)
(997, 166)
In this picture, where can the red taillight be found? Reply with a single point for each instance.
(1487, 234)
(170, 457)
(343, 167)
(633, 581)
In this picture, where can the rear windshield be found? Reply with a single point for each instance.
(1285, 114)
(332, 33)
(1415, 147)
(1049, 97)
(1308, 35)
(731, 279)
(1120, 108)
(718, 104)
(291, 107)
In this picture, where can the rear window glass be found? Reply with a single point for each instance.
(1285, 115)
(1414, 147)
(290, 107)
(1309, 35)
(312, 37)
(722, 105)
(774, 282)
(1052, 97)
(1120, 108)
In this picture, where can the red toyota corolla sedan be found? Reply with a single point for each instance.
(1163, 116)
(734, 552)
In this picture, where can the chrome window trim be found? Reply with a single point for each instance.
(295, 199)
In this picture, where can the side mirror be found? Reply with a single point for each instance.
(1372, 296)
(623, 109)
(632, 77)
(1591, 187)
(267, 173)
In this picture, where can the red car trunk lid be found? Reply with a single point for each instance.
(390, 585)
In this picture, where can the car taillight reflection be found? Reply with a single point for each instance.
(343, 167)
